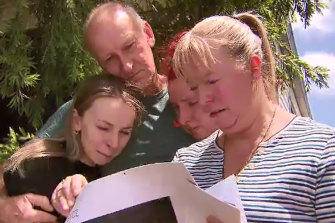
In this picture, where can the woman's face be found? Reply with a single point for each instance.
(225, 91)
(190, 115)
(105, 129)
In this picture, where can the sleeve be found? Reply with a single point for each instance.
(325, 187)
(177, 157)
(41, 176)
(55, 125)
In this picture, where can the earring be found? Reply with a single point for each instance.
(76, 132)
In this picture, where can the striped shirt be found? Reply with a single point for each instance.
(291, 178)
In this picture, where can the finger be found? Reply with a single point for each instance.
(58, 207)
(67, 191)
(43, 217)
(40, 201)
(62, 201)
(213, 219)
(55, 192)
(78, 183)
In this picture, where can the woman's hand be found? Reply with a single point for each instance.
(213, 219)
(66, 192)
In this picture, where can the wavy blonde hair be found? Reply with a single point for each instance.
(70, 145)
(242, 36)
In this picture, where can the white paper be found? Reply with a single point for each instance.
(137, 195)
(227, 191)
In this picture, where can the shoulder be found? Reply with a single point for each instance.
(303, 129)
(201, 149)
(308, 124)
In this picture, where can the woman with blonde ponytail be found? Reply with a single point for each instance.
(284, 165)
(95, 135)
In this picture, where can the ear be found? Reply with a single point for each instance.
(76, 121)
(149, 34)
(256, 67)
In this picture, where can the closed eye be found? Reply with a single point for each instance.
(194, 88)
(126, 132)
(102, 128)
(193, 103)
(129, 46)
(212, 81)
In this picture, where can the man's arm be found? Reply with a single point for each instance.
(55, 125)
(19, 209)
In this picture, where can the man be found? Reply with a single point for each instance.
(121, 42)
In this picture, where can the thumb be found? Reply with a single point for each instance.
(213, 219)
(40, 201)
(41, 216)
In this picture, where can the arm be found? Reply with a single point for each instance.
(55, 125)
(325, 187)
(19, 209)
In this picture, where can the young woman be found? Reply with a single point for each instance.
(105, 110)
(285, 165)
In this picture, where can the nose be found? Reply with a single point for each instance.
(127, 64)
(185, 115)
(113, 141)
(205, 97)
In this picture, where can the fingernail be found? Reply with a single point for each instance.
(71, 203)
(65, 207)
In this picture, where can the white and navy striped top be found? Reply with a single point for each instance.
(290, 179)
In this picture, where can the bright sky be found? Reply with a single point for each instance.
(316, 45)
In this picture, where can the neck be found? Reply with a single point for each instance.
(257, 131)
(156, 85)
(84, 159)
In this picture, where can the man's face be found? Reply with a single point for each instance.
(122, 48)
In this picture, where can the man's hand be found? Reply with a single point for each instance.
(19, 209)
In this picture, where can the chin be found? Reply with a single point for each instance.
(228, 127)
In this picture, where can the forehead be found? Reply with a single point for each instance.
(179, 90)
(198, 70)
(111, 109)
(110, 30)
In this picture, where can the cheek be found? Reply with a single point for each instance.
(123, 142)
(233, 95)
(145, 57)
(91, 138)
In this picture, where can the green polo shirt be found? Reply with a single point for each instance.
(156, 140)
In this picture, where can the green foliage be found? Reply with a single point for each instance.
(42, 55)
(12, 143)
(40, 65)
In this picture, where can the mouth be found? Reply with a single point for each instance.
(196, 128)
(215, 113)
(105, 155)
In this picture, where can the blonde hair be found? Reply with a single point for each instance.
(36, 148)
(70, 145)
(242, 36)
